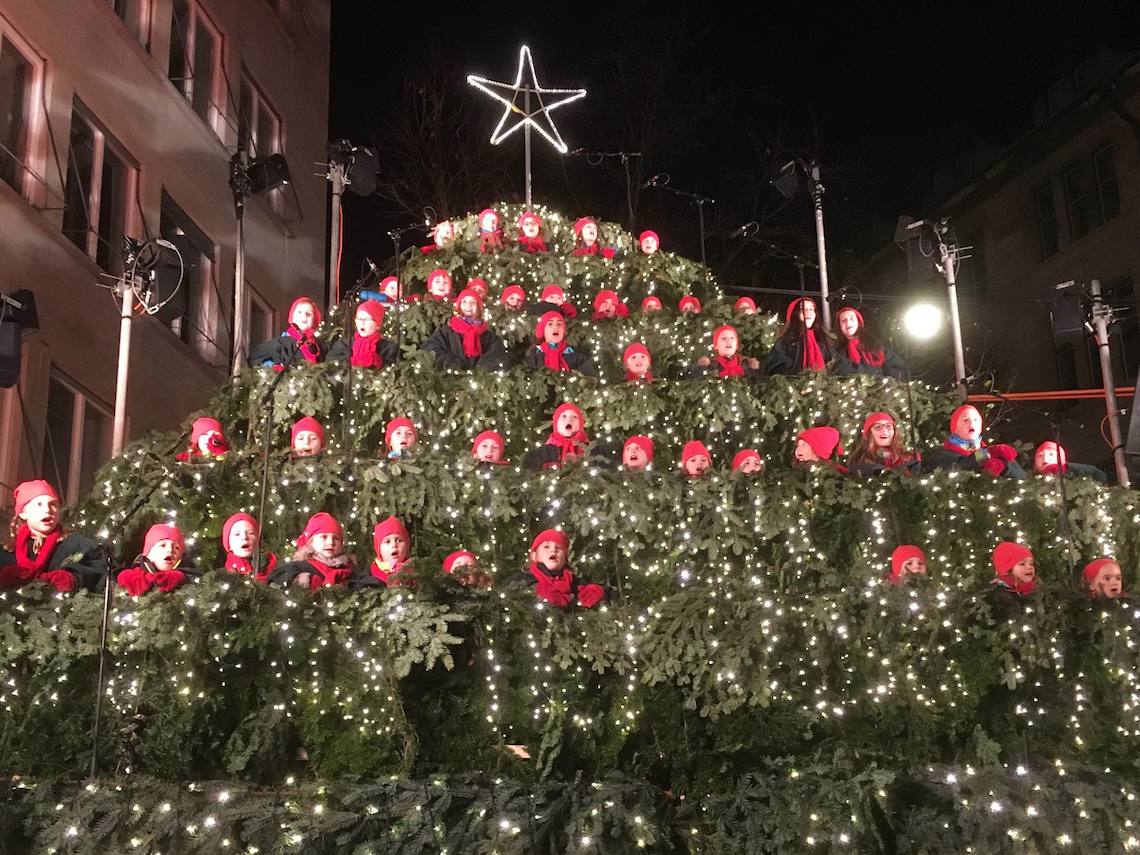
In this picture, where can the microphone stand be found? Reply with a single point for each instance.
(594, 158)
(698, 200)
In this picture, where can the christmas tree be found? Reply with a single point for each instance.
(751, 685)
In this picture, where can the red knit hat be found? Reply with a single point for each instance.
(307, 423)
(689, 300)
(691, 449)
(1094, 567)
(512, 289)
(1062, 457)
(385, 528)
(580, 223)
(485, 212)
(744, 454)
(386, 281)
(634, 349)
(399, 422)
(646, 234)
(374, 309)
(202, 426)
(229, 524)
(641, 441)
(902, 554)
(562, 408)
(792, 308)
(651, 300)
(551, 534)
(876, 417)
(1006, 554)
(311, 302)
(485, 435)
(958, 412)
(29, 490)
(529, 215)
(744, 303)
(551, 290)
(547, 317)
(824, 441)
(449, 561)
(469, 292)
(478, 285)
(321, 523)
(439, 271)
(161, 531)
(723, 328)
(603, 296)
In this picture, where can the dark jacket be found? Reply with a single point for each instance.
(787, 355)
(341, 350)
(283, 350)
(544, 457)
(893, 366)
(713, 370)
(578, 360)
(76, 553)
(290, 570)
(944, 458)
(447, 346)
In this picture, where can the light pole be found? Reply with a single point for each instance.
(788, 184)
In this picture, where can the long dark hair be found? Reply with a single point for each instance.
(794, 326)
(868, 452)
(869, 343)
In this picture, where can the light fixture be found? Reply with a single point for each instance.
(922, 321)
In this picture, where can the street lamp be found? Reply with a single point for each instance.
(922, 321)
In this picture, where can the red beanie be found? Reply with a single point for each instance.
(439, 271)
(744, 303)
(580, 223)
(651, 300)
(29, 490)
(551, 534)
(385, 528)
(958, 412)
(161, 531)
(603, 296)
(743, 455)
(563, 408)
(477, 285)
(399, 422)
(641, 441)
(550, 290)
(321, 523)
(719, 331)
(203, 426)
(1006, 554)
(648, 233)
(374, 309)
(824, 441)
(1094, 567)
(1062, 457)
(234, 520)
(689, 300)
(876, 417)
(485, 212)
(449, 561)
(530, 215)
(692, 448)
(488, 434)
(901, 554)
(547, 317)
(634, 349)
(307, 423)
(470, 292)
(386, 280)
(316, 311)
(512, 289)
(792, 308)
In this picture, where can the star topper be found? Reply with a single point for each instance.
(528, 118)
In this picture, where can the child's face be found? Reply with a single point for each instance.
(1108, 582)
(391, 289)
(968, 425)
(402, 439)
(607, 308)
(1024, 570)
(805, 453)
(303, 316)
(807, 313)
(848, 324)
(550, 555)
(514, 301)
(478, 287)
(42, 515)
(727, 344)
(469, 307)
(689, 308)
(366, 325)
(568, 423)
(243, 539)
(1045, 457)
(637, 363)
(443, 233)
(883, 432)
(752, 465)
(462, 561)
(653, 305)
(440, 286)
(914, 567)
(745, 309)
(394, 548)
(488, 451)
(327, 544)
(554, 331)
(165, 555)
(556, 297)
(307, 443)
(696, 465)
(649, 245)
(634, 458)
(589, 234)
(530, 227)
(489, 223)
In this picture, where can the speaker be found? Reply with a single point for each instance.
(165, 279)
(363, 172)
(9, 354)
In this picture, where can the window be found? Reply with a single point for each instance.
(197, 314)
(20, 76)
(1078, 201)
(260, 326)
(196, 61)
(77, 440)
(135, 15)
(100, 183)
(259, 126)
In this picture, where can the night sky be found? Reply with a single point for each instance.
(883, 98)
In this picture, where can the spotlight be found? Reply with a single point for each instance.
(922, 321)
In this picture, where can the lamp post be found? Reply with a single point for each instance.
(921, 322)
(788, 184)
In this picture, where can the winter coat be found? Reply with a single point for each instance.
(578, 360)
(283, 350)
(341, 350)
(447, 346)
(75, 553)
(787, 356)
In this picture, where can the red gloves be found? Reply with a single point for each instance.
(168, 580)
(590, 595)
(63, 581)
(135, 580)
(13, 576)
(554, 593)
(993, 466)
(1002, 452)
(609, 252)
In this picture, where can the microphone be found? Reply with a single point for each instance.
(429, 216)
(748, 228)
(371, 265)
(652, 182)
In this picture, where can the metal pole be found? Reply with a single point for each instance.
(526, 139)
(240, 300)
(821, 243)
(1101, 314)
(336, 178)
(119, 434)
(949, 262)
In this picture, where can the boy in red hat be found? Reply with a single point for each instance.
(907, 560)
(1015, 572)
(880, 449)
(651, 304)
(530, 232)
(367, 349)
(490, 235)
(466, 341)
(307, 438)
(553, 579)
(513, 298)
(819, 445)
(552, 352)
(400, 437)
(727, 361)
(488, 448)
(207, 442)
(320, 560)
(1051, 459)
(689, 305)
(638, 363)
(801, 345)
(553, 299)
(567, 441)
(463, 566)
(240, 537)
(608, 306)
(159, 566)
(966, 450)
(1103, 579)
(392, 545)
(648, 242)
(862, 353)
(695, 459)
(297, 344)
(637, 453)
(41, 550)
(748, 461)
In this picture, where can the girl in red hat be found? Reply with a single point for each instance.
(552, 352)
(552, 577)
(466, 341)
(530, 232)
(863, 353)
(637, 453)
(488, 449)
(240, 538)
(586, 239)
(608, 306)
(727, 360)
(490, 235)
(159, 566)
(299, 342)
(513, 298)
(638, 363)
(695, 459)
(367, 349)
(965, 449)
(748, 461)
(880, 449)
(651, 304)
(553, 299)
(567, 441)
(819, 445)
(400, 438)
(207, 442)
(438, 286)
(392, 545)
(689, 305)
(648, 242)
(802, 344)
(1102, 579)
(463, 567)
(39, 549)
(1015, 572)
(307, 438)
(320, 559)
(906, 561)
(1051, 458)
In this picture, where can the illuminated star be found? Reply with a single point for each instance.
(509, 94)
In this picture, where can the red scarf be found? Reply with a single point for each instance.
(556, 590)
(307, 342)
(41, 561)
(531, 244)
(630, 377)
(568, 445)
(730, 367)
(813, 356)
(1020, 588)
(245, 567)
(857, 354)
(366, 351)
(472, 347)
(552, 356)
(327, 575)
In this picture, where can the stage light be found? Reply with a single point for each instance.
(922, 321)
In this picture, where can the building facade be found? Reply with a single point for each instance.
(118, 118)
